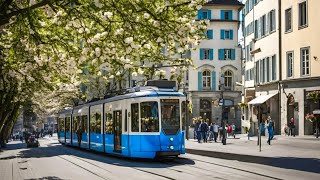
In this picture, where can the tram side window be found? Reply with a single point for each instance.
(109, 123)
(184, 114)
(68, 123)
(95, 123)
(61, 124)
(149, 117)
(135, 117)
(84, 123)
(76, 124)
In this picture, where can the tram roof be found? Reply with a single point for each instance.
(147, 91)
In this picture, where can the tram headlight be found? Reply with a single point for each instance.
(171, 147)
(171, 139)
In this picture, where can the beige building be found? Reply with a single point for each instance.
(300, 62)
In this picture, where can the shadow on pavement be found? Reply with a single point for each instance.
(57, 150)
(295, 163)
(46, 178)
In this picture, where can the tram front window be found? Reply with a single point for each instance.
(170, 116)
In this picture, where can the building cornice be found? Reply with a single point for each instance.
(300, 79)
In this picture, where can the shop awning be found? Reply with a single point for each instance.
(261, 99)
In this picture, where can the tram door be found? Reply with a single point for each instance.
(117, 129)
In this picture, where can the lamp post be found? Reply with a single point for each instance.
(221, 84)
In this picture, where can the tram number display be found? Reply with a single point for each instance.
(170, 100)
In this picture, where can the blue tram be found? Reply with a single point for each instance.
(144, 123)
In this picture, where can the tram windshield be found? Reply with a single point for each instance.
(170, 116)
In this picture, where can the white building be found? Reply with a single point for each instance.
(217, 56)
(262, 62)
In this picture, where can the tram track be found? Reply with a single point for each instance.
(170, 165)
(73, 155)
(226, 166)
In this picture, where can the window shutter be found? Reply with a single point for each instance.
(222, 34)
(209, 14)
(230, 15)
(214, 81)
(221, 54)
(211, 54)
(210, 34)
(199, 81)
(233, 54)
(201, 54)
(231, 34)
(199, 14)
(222, 14)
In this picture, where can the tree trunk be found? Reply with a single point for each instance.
(8, 125)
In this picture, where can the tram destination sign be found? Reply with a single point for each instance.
(170, 100)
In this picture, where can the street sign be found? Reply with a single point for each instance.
(221, 102)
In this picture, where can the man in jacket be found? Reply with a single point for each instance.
(204, 128)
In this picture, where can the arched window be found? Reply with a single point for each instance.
(228, 79)
(206, 79)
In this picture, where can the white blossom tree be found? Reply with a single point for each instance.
(49, 48)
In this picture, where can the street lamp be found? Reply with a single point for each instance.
(221, 102)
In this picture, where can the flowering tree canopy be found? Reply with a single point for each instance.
(48, 47)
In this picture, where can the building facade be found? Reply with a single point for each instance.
(262, 55)
(281, 62)
(217, 63)
(300, 62)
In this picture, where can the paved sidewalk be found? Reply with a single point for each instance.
(301, 153)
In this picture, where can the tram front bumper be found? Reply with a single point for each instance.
(168, 153)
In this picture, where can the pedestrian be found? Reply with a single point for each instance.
(211, 132)
(196, 127)
(199, 131)
(204, 128)
(292, 126)
(233, 127)
(229, 130)
(270, 131)
(215, 131)
(286, 130)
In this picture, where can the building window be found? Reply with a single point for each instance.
(289, 64)
(206, 79)
(303, 14)
(288, 20)
(305, 64)
(267, 70)
(256, 29)
(227, 54)
(274, 68)
(228, 79)
(263, 25)
(206, 53)
(272, 20)
(257, 72)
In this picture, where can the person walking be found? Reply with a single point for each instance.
(211, 132)
(215, 131)
(196, 130)
(233, 127)
(204, 128)
(292, 126)
(199, 131)
(270, 131)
